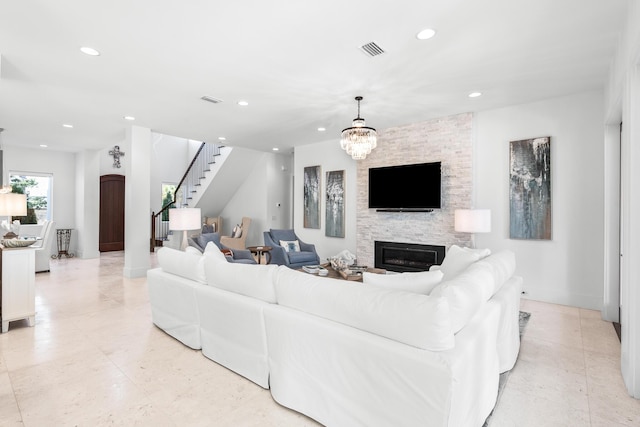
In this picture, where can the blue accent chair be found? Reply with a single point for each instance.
(306, 256)
(242, 256)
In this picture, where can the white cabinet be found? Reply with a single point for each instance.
(18, 286)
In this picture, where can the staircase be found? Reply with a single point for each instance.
(200, 168)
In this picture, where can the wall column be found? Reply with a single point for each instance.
(630, 238)
(137, 204)
(88, 203)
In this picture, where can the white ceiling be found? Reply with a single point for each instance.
(297, 63)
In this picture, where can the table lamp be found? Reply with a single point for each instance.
(184, 219)
(472, 221)
(12, 204)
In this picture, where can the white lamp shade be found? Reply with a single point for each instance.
(472, 220)
(184, 219)
(13, 204)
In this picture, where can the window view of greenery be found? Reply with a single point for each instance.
(167, 197)
(38, 191)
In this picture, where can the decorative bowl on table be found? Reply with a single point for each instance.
(17, 243)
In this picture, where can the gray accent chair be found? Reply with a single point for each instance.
(242, 256)
(306, 256)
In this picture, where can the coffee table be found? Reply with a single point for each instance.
(341, 275)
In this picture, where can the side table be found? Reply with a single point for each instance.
(261, 250)
(64, 239)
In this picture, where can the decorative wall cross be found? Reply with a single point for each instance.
(116, 153)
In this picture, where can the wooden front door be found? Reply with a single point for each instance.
(111, 213)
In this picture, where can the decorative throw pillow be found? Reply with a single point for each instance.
(206, 228)
(290, 245)
(237, 231)
(420, 283)
(456, 260)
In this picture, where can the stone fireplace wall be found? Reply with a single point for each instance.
(447, 140)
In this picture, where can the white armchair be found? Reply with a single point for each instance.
(43, 246)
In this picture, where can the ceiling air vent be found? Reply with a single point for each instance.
(372, 49)
(211, 99)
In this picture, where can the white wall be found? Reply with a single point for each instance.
(169, 161)
(623, 105)
(265, 185)
(63, 168)
(330, 157)
(567, 269)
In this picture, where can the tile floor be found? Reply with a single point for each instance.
(94, 358)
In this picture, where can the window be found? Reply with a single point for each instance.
(37, 187)
(167, 197)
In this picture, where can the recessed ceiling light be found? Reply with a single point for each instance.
(89, 51)
(131, 118)
(222, 138)
(475, 94)
(67, 125)
(425, 34)
(321, 129)
(243, 103)
(43, 145)
(275, 149)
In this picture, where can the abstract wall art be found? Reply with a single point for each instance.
(530, 189)
(312, 197)
(334, 204)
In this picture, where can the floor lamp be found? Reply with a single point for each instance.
(12, 204)
(472, 221)
(184, 219)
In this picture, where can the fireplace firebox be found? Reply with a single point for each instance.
(403, 257)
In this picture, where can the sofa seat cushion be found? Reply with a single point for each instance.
(417, 320)
(253, 280)
(299, 257)
(420, 283)
(183, 264)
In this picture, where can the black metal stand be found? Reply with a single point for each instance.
(64, 239)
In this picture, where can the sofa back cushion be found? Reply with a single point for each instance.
(417, 320)
(183, 264)
(503, 265)
(252, 280)
(285, 235)
(466, 293)
(420, 283)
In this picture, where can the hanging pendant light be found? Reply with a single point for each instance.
(358, 140)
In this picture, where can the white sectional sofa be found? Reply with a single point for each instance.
(352, 354)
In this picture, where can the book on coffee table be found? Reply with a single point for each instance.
(313, 269)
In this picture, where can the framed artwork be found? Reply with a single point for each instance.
(334, 204)
(530, 189)
(311, 197)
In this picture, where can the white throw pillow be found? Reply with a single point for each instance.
(457, 260)
(420, 283)
(482, 253)
(237, 232)
(192, 250)
(290, 245)
(215, 252)
(183, 264)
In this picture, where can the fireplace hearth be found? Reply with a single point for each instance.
(402, 257)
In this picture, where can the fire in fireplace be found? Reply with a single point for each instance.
(402, 257)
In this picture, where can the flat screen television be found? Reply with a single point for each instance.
(414, 187)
